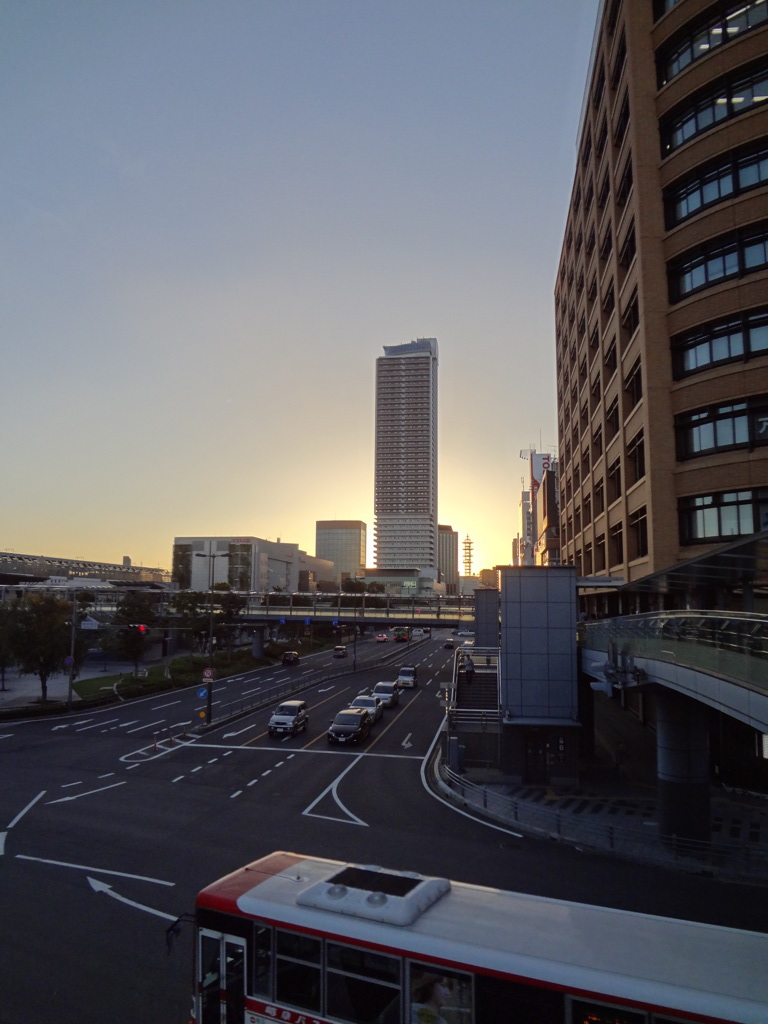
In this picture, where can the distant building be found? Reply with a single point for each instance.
(248, 564)
(17, 568)
(406, 582)
(405, 485)
(448, 558)
(489, 579)
(343, 542)
(546, 520)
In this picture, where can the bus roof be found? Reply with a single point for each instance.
(689, 966)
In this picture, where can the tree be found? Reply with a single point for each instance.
(353, 586)
(191, 608)
(44, 637)
(136, 609)
(232, 605)
(8, 629)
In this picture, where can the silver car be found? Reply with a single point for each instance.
(372, 705)
(388, 693)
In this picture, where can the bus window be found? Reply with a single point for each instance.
(262, 961)
(438, 995)
(363, 987)
(596, 1013)
(298, 970)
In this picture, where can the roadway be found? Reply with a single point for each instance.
(107, 834)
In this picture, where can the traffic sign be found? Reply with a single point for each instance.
(307, 622)
(202, 693)
(207, 673)
(282, 620)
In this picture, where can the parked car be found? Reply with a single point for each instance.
(350, 726)
(388, 693)
(407, 676)
(340, 651)
(291, 658)
(372, 705)
(382, 638)
(289, 717)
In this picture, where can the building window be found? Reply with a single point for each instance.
(616, 544)
(619, 61)
(599, 498)
(723, 341)
(600, 563)
(703, 36)
(612, 420)
(627, 252)
(635, 461)
(590, 243)
(724, 258)
(625, 183)
(733, 96)
(599, 87)
(721, 516)
(602, 138)
(587, 509)
(613, 480)
(594, 394)
(597, 444)
(611, 360)
(606, 244)
(660, 7)
(633, 385)
(722, 427)
(741, 171)
(622, 122)
(602, 197)
(637, 534)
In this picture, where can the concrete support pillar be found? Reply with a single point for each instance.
(682, 750)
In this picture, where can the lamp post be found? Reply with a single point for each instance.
(211, 556)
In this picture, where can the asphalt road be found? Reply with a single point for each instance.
(109, 830)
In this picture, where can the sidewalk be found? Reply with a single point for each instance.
(616, 809)
(26, 691)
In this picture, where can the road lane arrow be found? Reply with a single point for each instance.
(407, 741)
(98, 886)
(228, 735)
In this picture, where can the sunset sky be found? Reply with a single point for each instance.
(214, 217)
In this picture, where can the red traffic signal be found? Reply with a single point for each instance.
(140, 627)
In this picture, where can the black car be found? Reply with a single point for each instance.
(350, 726)
(290, 657)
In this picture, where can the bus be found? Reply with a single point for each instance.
(306, 940)
(402, 633)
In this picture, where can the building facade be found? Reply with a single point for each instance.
(405, 484)
(248, 564)
(18, 568)
(448, 558)
(343, 542)
(662, 291)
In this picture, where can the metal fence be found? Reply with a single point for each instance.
(735, 861)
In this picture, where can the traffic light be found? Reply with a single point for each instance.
(140, 628)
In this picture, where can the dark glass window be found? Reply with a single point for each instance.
(635, 459)
(722, 427)
(610, 360)
(705, 34)
(627, 254)
(723, 515)
(722, 259)
(625, 183)
(599, 498)
(633, 385)
(612, 419)
(637, 534)
(734, 95)
(622, 122)
(363, 987)
(614, 481)
(616, 554)
(738, 172)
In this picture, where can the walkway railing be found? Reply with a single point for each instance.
(644, 845)
(731, 646)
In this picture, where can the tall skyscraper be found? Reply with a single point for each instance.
(662, 291)
(405, 488)
(342, 541)
(448, 557)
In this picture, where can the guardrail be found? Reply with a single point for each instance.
(735, 861)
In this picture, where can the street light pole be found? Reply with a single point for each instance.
(211, 556)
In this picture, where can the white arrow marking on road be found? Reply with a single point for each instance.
(96, 725)
(327, 689)
(66, 726)
(103, 887)
(6, 736)
(103, 789)
(98, 871)
(227, 735)
(406, 742)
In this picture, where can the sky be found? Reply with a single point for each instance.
(215, 215)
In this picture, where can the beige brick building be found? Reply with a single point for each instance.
(662, 293)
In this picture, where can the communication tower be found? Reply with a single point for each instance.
(467, 545)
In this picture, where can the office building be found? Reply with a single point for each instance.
(342, 541)
(662, 294)
(405, 486)
(248, 564)
(448, 558)
(18, 568)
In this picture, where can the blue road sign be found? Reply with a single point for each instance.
(307, 622)
(335, 622)
(282, 620)
(202, 693)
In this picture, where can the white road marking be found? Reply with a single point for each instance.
(98, 871)
(236, 793)
(90, 792)
(148, 725)
(24, 810)
(170, 704)
(351, 818)
(103, 887)
(228, 735)
(96, 725)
